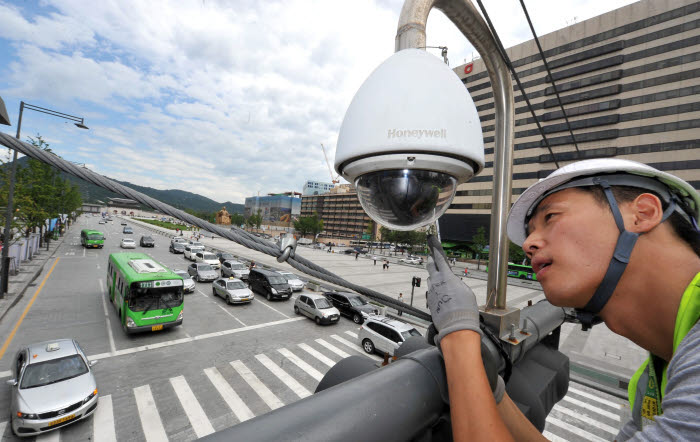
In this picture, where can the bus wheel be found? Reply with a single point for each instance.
(522, 277)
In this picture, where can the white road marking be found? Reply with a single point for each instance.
(148, 413)
(353, 334)
(98, 267)
(589, 422)
(112, 347)
(5, 374)
(261, 389)
(52, 436)
(195, 413)
(577, 431)
(234, 402)
(283, 376)
(296, 360)
(333, 348)
(2, 429)
(553, 437)
(83, 252)
(318, 355)
(355, 347)
(595, 398)
(231, 315)
(592, 408)
(272, 308)
(103, 421)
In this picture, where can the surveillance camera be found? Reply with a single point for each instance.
(410, 136)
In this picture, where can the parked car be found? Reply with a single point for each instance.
(188, 282)
(52, 386)
(127, 230)
(176, 247)
(208, 258)
(233, 290)
(235, 269)
(293, 280)
(352, 305)
(127, 243)
(349, 251)
(383, 335)
(191, 250)
(269, 283)
(202, 272)
(316, 307)
(123, 223)
(225, 256)
(178, 239)
(195, 243)
(411, 260)
(147, 241)
(102, 221)
(361, 250)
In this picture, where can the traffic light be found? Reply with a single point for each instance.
(415, 282)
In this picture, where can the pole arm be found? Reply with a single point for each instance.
(411, 34)
(43, 110)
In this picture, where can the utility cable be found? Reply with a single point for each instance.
(506, 59)
(551, 77)
(234, 234)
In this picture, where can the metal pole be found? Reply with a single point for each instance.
(9, 214)
(413, 288)
(411, 34)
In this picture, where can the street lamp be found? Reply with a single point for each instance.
(79, 122)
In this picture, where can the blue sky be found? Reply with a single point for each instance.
(225, 99)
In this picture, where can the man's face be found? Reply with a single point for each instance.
(571, 239)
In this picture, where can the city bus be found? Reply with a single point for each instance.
(146, 295)
(520, 271)
(92, 238)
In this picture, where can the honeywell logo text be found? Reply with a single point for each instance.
(416, 133)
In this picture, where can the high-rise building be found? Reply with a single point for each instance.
(273, 208)
(316, 188)
(629, 82)
(341, 212)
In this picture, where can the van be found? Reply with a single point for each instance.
(269, 284)
(92, 238)
(316, 307)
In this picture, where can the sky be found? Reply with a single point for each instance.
(227, 99)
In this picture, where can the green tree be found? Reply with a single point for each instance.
(237, 219)
(479, 242)
(206, 216)
(306, 225)
(516, 253)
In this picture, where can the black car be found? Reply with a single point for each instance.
(352, 305)
(269, 284)
(177, 247)
(147, 241)
(225, 256)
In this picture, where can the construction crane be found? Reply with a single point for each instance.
(334, 178)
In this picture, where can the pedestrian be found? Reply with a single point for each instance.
(252, 265)
(357, 254)
(636, 229)
(375, 260)
(400, 300)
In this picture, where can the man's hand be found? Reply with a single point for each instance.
(451, 302)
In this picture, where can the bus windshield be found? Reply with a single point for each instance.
(145, 299)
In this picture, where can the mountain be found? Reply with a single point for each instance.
(180, 199)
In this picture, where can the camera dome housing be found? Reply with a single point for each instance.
(410, 136)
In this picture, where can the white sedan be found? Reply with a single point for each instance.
(128, 243)
(411, 260)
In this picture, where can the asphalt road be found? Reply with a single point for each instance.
(224, 364)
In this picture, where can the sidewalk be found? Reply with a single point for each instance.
(29, 271)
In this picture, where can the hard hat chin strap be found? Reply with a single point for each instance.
(588, 315)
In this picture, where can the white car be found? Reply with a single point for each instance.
(127, 243)
(191, 250)
(411, 260)
(207, 258)
(293, 280)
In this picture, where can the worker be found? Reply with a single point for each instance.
(619, 242)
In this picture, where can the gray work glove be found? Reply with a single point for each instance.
(452, 304)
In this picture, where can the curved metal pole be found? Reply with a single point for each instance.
(411, 34)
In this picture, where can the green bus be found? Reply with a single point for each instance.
(520, 271)
(147, 295)
(92, 238)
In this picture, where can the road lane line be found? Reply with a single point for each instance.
(195, 413)
(2, 429)
(333, 348)
(26, 309)
(296, 360)
(355, 347)
(283, 376)
(103, 421)
(234, 402)
(587, 420)
(318, 355)
(592, 408)
(272, 308)
(53, 436)
(261, 389)
(595, 398)
(148, 413)
(83, 252)
(231, 315)
(353, 334)
(577, 431)
(112, 347)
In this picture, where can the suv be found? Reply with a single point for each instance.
(128, 230)
(235, 269)
(384, 335)
(316, 307)
(352, 305)
(269, 283)
(208, 258)
(147, 241)
(191, 250)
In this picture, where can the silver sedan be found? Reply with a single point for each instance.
(52, 386)
(233, 290)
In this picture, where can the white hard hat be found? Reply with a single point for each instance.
(528, 201)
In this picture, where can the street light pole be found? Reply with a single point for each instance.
(79, 122)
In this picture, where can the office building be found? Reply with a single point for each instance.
(343, 217)
(316, 188)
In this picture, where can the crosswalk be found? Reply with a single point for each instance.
(193, 405)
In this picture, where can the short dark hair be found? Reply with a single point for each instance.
(626, 194)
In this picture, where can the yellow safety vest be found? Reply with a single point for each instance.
(644, 391)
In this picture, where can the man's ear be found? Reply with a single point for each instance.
(647, 212)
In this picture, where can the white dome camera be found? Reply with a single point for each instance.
(410, 136)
